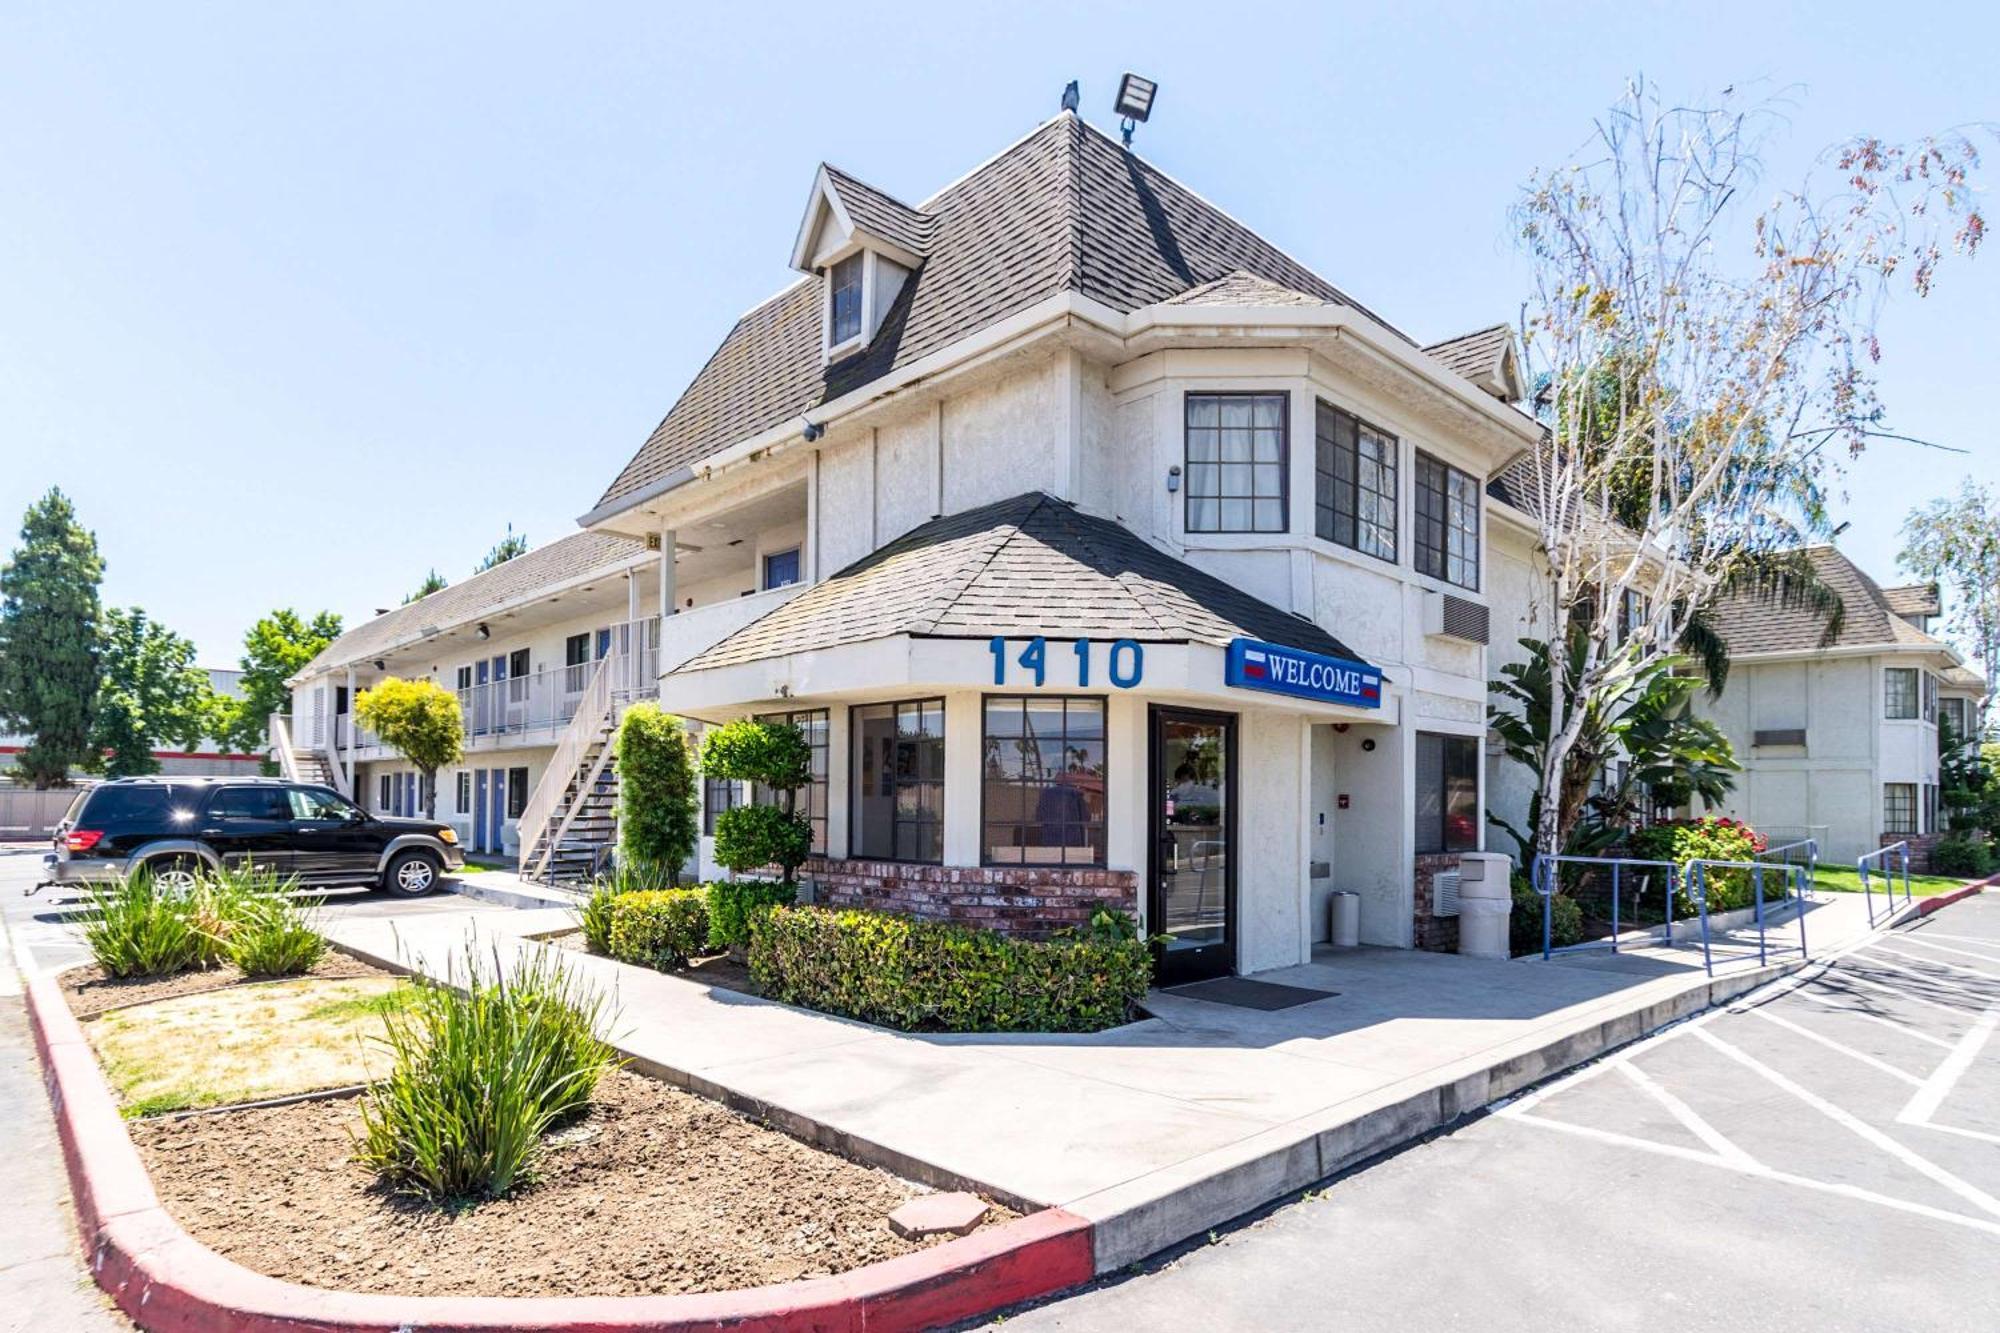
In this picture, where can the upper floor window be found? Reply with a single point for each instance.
(1447, 522)
(1957, 712)
(1354, 500)
(781, 568)
(1899, 693)
(1236, 452)
(1930, 688)
(844, 300)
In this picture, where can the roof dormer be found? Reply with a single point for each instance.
(1488, 358)
(865, 244)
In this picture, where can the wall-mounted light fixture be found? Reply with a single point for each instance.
(484, 632)
(1173, 478)
(381, 665)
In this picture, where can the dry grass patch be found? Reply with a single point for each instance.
(245, 1043)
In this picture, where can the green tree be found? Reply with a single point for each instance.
(1955, 543)
(49, 610)
(775, 756)
(658, 828)
(511, 545)
(276, 649)
(420, 720)
(150, 692)
(433, 582)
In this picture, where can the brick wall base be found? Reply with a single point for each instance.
(1439, 934)
(1920, 848)
(1020, 900)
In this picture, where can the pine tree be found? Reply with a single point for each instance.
(49, 612)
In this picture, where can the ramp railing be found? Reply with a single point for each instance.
(1889, 864)
(1805, 851)
(1792, 883)
(1622, 883)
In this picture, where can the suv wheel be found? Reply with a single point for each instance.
(175, 876)
(412, 874)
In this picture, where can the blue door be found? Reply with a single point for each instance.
(410, 804)
(496, 821)
(479, 809)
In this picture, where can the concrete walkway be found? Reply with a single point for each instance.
(1160, 1129)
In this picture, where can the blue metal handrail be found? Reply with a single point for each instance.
(1811, 846)
(1881, 855)
(1700, 870)
(1543, 877)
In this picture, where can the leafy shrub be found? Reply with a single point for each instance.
(925, 976)
(480, 1069)
(1710, 838)
(732, 904)
(134, 931)
(659, 927)
(595, 915)
(750, 837)
(658, 828)
(274, 935)
(1524, 924)
(1107, 925)
(1968, 857)
(776, 757)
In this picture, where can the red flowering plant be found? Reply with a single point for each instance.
(1709, 838)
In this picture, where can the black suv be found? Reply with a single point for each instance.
(173, 828)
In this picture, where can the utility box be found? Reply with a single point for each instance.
(1485, 902)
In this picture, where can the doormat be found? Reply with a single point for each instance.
(1246, 994)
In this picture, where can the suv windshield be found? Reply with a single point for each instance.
(146, 802)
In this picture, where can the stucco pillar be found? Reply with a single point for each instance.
(962, 734)
(666, 573)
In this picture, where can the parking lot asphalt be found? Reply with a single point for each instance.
(1823, 1154)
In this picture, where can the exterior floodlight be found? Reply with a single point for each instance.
(1135, 103)
(484, 632)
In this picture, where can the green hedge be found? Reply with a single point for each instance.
(731, 904)
(659, 927)
(1710, 838)
(1524, 924)
(1968, 857)
(927, 977)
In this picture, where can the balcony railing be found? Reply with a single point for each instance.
(690, 632)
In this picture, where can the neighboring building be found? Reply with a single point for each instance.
(1839, 741)
(208, 758)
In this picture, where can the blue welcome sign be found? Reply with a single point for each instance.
(1255, 665)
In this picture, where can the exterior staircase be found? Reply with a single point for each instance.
(298, 765)
(570, 821)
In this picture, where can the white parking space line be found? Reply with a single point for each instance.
(1930, 978)
(1983, 940)
(1833, 1045)
(1946, 948)
(1684, 1113)
(1932, 1091)
(1841, 1006)
(1900, 993)
(1972, 1194)
(1938, 962)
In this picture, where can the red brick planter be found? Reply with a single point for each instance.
(167, 1280)
(1020, 900)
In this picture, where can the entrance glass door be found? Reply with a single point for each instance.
(1192, 893)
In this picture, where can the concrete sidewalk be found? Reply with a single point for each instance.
(1163, 1128)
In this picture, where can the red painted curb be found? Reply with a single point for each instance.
(1925, 906)
(165, 1279)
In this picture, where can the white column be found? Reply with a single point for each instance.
(627, 646)
(962, 735)
(666, 575)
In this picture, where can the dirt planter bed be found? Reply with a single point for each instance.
(629, 1204)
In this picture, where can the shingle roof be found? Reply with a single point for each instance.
(1515, 485)
(1020, 567)
(1750, 623)
(885, 215)
(1914, 599)
(1065, 209)
(1472, 354)
(574, 557)
(1243, 288)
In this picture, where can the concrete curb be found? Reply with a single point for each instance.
(517, 896)
(167, 1280)
(1925, 906)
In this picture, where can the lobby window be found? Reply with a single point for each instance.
(896, 783)
(1354, 480)
(1899, 807)
(1899, 693)
(781, 569)
(1447, 523)
(1447, 793)
(844, 300)
(1042, 762)
(812, 797)
(717, 795)
(1236, 462)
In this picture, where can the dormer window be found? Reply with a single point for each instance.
(844, 299)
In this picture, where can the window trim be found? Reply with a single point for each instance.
(1284, 496)
(1104, 705)
(1916, 694)
(797, 552)
(1418, 549)
(854, 852)
(1395, 498)
(1478, 795)
(838, 348)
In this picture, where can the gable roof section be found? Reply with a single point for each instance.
(1030, 565)
(1914, 599)
(1064, 209)
(885, 215)
(573, 558)
(1243, 288)
(1751, 624)
(1484, 356)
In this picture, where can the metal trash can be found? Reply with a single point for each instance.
(1485, 902)
(1346, 926)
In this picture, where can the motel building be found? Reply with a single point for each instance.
(1107, 556)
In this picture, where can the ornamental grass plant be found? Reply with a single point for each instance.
(481, 1068)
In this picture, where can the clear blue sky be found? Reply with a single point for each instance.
(300, 301)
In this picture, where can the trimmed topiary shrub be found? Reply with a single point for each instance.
(924, 976)
(660, 928)
(658, 827)
(1710, 838)
(1524, 924)
(731, 904)
(776, 757)
(1968, 857)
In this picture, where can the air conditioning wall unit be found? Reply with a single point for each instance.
(1461, 618)
(1444, 893)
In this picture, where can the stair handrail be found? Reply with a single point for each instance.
(279, 734)
(593, 715)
